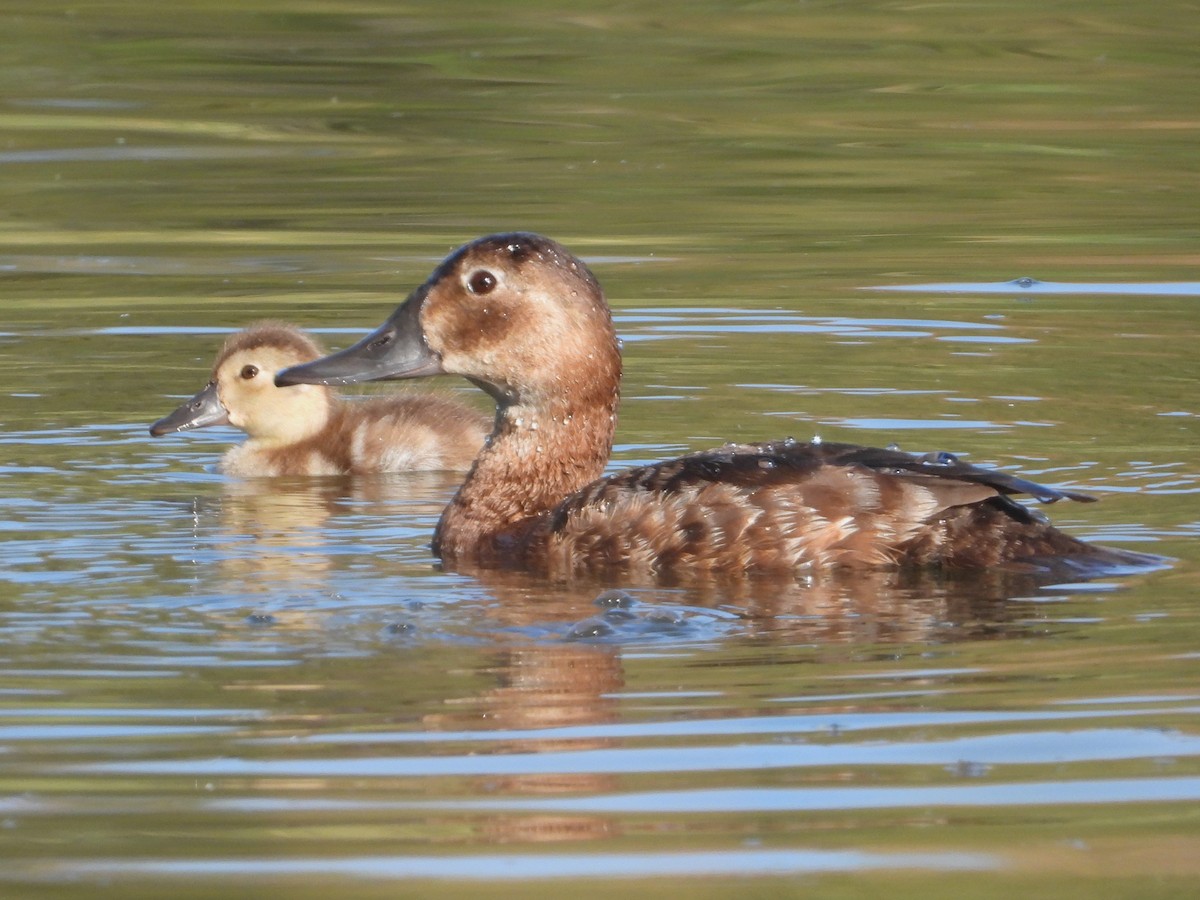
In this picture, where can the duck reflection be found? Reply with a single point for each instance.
(543, 667)
(549, 691)
(854, 605)
(279, 537)
(537, 688)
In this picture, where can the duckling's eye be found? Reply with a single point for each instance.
(481, 282)
(249, 372)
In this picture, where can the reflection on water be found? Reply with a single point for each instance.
(1033, 286)
(537, 868)
(275, 538)
(206, 683)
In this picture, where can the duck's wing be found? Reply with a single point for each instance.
(948, 480)
(788, 505)
(940, 465)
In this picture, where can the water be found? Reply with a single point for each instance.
(208, 684)
(1027, 285)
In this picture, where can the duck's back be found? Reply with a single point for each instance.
(408, 433)
(788, 506)
(412, 433)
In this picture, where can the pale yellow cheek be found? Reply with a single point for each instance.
(237, 418)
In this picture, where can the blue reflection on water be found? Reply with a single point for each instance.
(1017, 748)
(535, 866)
(777, 799)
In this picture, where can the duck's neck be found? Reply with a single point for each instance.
(537, 455)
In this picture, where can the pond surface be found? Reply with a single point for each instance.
(209, 685)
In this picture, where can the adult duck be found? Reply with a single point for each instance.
(310, 430)
(527, 322)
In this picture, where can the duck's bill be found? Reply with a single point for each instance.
(396, 349)
(204, 409)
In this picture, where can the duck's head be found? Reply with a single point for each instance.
(517, 314)
(242, 391)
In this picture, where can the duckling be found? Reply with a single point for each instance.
(309, 429)
(527, 322)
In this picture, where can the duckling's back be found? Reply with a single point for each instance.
(409, 433)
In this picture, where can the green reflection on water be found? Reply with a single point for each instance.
(171, 174)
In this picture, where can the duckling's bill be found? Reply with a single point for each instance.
(202, 410)
(395, 350)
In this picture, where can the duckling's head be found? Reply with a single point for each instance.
(515, 313)
(242, 390)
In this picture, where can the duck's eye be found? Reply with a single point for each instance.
(481, 282)
(249, 372)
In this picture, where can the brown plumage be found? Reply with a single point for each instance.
(309, 429)
(523, 319)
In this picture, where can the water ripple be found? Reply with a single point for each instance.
(516, 866)
(1016, 748)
